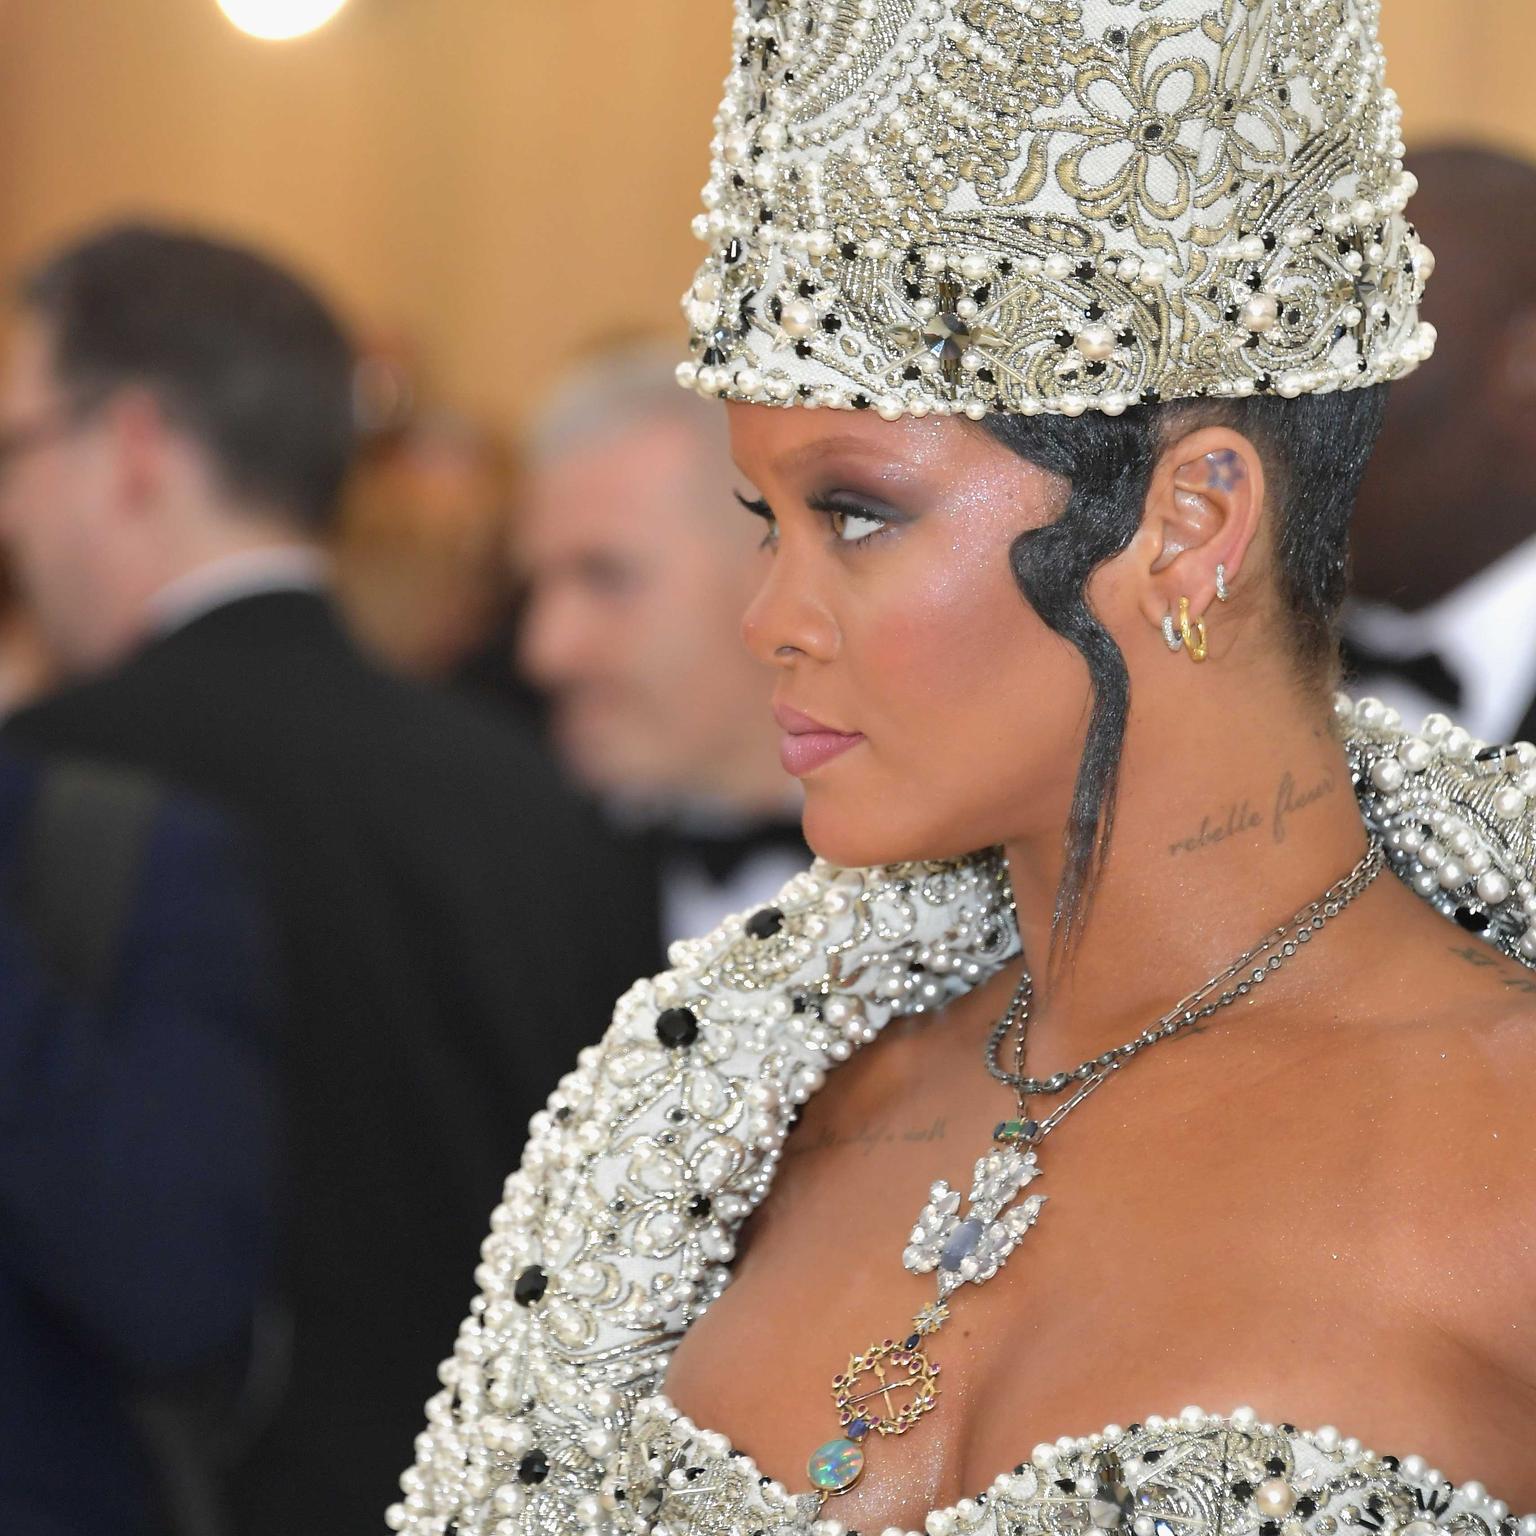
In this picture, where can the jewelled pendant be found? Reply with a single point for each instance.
(887, 1389)
(884, 1391)
(974, 1247)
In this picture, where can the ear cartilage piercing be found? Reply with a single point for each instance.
(1223, 592)
(1172, 638)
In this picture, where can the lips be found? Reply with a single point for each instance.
(807, 743)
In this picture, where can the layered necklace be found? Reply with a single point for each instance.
(887, 1389)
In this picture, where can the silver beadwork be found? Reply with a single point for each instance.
(1064, 205)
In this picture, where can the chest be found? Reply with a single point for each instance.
(1186, 1252)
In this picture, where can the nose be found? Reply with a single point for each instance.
(552, 637)
(788, 619)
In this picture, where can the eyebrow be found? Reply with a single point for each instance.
(817, 447)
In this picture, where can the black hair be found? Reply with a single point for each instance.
(1314, 450)
(238, 353)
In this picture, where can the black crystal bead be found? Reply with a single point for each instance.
(677, 1027)
(533, 1468)
(1242, 1489)
(1306, 1506)
(804, 349)
(1085, 271)
(1274, 1466)
(530, 1286)
(862, 402)
(1472, 920)
(767, 921)
(911, 1341)
(700, 1207)
(848, 250)
(1269, 1528)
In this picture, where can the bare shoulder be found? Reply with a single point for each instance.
(1460, 1062)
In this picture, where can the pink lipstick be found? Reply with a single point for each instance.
(807, 743)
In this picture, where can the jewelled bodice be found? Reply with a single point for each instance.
(620, 1225)
(1193, 1475)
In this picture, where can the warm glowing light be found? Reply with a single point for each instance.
(277, 19)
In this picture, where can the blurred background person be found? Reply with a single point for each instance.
(179, 415)
(421, 552)
(1444, 564)
(638, 565)
(138, 1023)
(24, 670)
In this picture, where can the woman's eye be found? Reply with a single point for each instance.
(852, 527)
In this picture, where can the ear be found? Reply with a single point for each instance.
(142, 443)
(1203, 508)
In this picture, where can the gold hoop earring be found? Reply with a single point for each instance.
(1193, 635)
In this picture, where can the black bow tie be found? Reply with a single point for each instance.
(1426, 670)
(723, 856)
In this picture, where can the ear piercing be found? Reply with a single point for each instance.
(1191, 632)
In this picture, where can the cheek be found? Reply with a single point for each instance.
(971, 707)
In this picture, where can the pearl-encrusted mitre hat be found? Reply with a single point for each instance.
(1054, 205)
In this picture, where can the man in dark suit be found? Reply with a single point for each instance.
(178, 424)
(137, 1027)
(1444, 578)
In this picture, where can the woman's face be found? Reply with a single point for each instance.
(954, 719)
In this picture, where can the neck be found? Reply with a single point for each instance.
(1212, 849)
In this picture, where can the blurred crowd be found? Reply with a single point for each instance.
(354, 759)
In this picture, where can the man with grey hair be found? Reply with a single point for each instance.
(639, 565)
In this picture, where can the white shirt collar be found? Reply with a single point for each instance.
(273, 568)
(1484, 631)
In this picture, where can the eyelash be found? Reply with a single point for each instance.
(830, 509)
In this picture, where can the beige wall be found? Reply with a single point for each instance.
(497, 180)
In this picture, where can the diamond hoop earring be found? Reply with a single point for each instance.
(1171, 637)
(1193, 632)
(1223, 592)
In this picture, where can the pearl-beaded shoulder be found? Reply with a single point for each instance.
(619, 1227)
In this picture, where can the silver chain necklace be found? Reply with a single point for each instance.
(886, 1390)
(1284, 941)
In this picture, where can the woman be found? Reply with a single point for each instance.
(1098, 303)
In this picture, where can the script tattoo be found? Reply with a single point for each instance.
(1239, 818)
(1242, 817)
(1289, 799)
(1484, 959)
(867, 1137)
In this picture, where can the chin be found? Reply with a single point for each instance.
(858, 839)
